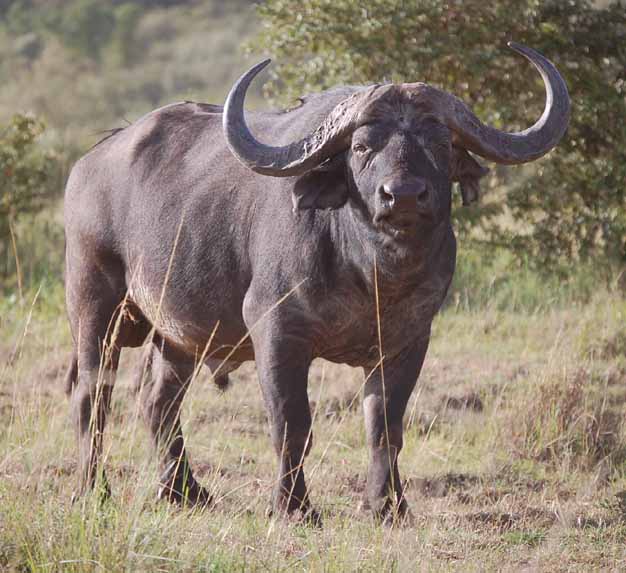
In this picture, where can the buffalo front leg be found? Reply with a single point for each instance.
(165, 382)
(283, 366)
(386, 394)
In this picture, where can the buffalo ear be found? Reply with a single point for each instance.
(324, 187)
(468, 172)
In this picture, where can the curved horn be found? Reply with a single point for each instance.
(289, 160)
(331, 136)
(517, 147)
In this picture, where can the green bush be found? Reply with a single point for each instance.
(568, 207)
(86, 26)
(25, 171)
(127, 17)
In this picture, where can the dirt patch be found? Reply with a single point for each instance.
(505, 521)
(484, 495)
(443, 485)
(244, 423)
(355, 484)
(609, 347)
(204, 469)
(585, 522)
(422, 422)
(470, 401)
(61, 469)
(495, 519)
(615, 375)
(337, 407)
(125, 471)
(6, 412)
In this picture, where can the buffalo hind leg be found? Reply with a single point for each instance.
(91, 403)
(97, 358)
(165, 382)
(102, 322)
(384, 403)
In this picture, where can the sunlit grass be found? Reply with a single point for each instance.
(479, 481)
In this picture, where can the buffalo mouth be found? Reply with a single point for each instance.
(404, 225)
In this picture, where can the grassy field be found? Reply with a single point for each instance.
(515, 443)
(514, 456)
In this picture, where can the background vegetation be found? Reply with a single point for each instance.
(515, 446)
(84, 66)
(123, 58)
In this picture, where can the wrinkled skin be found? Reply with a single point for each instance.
(166, 229)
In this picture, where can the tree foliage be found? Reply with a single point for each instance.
(25, 171)
(570, 205)
(156, 52)
(86, 26)
(127, 17)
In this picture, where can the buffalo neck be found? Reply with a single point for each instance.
(397, 266)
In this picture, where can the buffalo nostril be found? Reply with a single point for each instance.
(422, 194)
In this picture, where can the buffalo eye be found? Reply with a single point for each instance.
(359, 149)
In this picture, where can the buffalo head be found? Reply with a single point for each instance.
(396, 149)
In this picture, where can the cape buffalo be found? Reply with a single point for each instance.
(320, 231)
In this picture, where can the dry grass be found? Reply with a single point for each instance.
(514, 459)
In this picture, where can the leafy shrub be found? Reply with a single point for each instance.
(86, 26)
(25, 171)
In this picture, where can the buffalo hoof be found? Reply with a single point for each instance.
(397, 519)
(312, 518)
(390, 514)
(191, 494)
(222, 381)
(177, 485)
